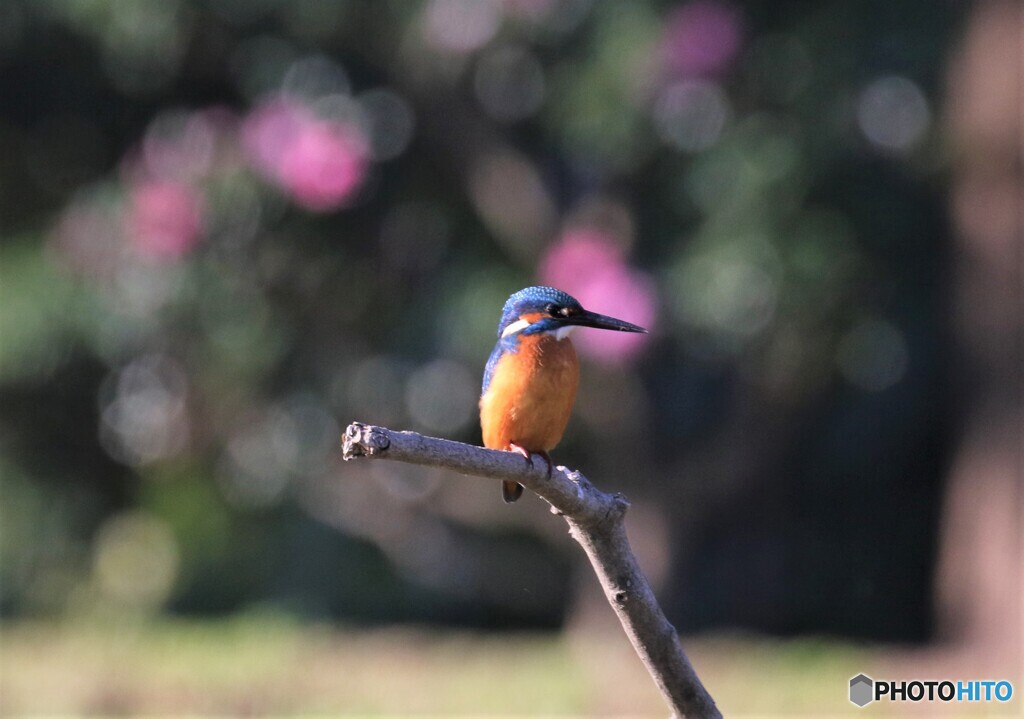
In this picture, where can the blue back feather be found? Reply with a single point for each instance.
(505, 344)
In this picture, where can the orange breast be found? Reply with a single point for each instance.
(531, 395)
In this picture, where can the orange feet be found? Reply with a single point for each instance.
(527, 454)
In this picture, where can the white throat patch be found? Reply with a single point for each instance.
(562, 332)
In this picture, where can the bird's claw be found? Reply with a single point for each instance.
(520, 450)
(523, 451)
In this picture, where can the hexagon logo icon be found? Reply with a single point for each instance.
(861, 690)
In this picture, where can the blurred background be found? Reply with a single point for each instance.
(230, 227)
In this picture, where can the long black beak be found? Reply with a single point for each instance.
(587, 318)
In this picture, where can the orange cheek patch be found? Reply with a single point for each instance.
(532, 317)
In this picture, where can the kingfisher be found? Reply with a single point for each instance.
(531, 376)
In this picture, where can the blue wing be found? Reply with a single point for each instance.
(505, 344)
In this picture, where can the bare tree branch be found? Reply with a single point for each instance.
(595, 521)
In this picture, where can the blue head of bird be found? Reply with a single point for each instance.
(545, 309)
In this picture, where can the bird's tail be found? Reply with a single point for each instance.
(511, 491)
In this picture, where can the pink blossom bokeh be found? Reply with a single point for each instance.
(320, 163)
(702, 38)
(588, 264)
(164, 219)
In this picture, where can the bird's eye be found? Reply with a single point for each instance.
(553, 310)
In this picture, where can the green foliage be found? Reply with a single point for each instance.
(231, 227)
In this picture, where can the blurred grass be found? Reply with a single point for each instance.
(266, 664)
